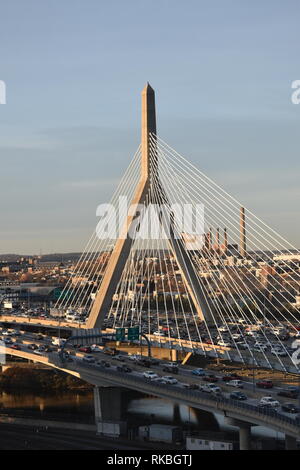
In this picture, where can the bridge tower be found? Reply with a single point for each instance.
(143, 195)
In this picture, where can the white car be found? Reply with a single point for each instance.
(225, 344)
(235, 383)
(134, 357)
(6, 333)
(210, 388)
(159, 333)
(269, 401)
(89, 359)
(149, 374)
(170, 380)
(223, 329)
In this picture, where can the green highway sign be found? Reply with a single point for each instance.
(120, 334)
(133, 333)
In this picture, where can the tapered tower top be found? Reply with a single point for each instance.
(148, 126)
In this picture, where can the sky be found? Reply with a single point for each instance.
(222, 72)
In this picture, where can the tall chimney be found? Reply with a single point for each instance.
(242, 232)
(225, 240)
(218, 240)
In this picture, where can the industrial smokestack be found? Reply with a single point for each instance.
(207, 241)
(225, 240)
(242, 232)
(218, 240)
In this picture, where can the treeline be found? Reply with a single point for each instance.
(18, 379)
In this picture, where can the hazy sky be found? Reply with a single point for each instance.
(222, 71)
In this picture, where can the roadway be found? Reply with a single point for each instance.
(264, 360)
(99, 375)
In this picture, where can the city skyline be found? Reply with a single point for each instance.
(71, 123)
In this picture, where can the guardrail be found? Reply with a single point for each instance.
(267, 416)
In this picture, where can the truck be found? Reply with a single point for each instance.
(160, 433)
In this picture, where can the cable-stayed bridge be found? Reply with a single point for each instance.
(182, 259)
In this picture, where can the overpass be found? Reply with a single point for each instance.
(239, 414)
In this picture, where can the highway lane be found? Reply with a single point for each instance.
(184, 376)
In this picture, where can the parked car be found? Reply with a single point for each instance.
(85, 349)
(32, 346)
(15, 346)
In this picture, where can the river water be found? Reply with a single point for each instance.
(138, 409)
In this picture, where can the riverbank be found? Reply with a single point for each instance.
(40, 380)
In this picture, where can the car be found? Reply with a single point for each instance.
(170, 367)
(7, 341)
(289, 392)
(199, 372)
(278, 352)
(6, 333)
(158, 380)
(210, 378)
(38, 352)
(261, 348)
(265, 384)
(124, 368)
(119, 357)
(191, 386)
(170, 380)
(32, 347)
(149, 374)
(290, 408)
(269, 402)
(103, 363)
(225, 344)
(235, 383)
(85, 349)
(89, 359)
(134, 357)
(210, 388)
(229, 377)
(15, 346)
(242, 345)
(144, 362)
(238, 396)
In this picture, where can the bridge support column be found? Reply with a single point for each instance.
(107, 404)
(290, 442)
(244, 432)
(245, 436)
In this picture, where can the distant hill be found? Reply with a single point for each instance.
(11, 257)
